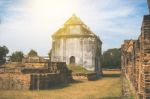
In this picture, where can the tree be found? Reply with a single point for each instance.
(49, 54)
(3, 52)
(111, 58)
(17, 56)
(32, 53)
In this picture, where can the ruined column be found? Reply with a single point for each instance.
(148, 1)
(38, 81)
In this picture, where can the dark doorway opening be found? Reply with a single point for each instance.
(72, 60)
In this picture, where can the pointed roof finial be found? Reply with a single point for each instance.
(73, 14)
(74, 20)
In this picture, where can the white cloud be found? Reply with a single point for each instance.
(31, 23)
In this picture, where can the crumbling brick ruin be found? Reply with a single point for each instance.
(34, 78)
(85, 76)
(136, 62)
(35, 62)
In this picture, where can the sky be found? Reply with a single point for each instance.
(29, 24)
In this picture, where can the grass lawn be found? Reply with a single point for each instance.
(108, 87)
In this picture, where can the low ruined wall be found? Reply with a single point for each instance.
(34, 78)
(18, 81)
(46, 81)
(85, 76)
(14, 81)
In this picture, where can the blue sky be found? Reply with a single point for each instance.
(29, 24)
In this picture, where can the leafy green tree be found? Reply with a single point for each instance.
(49, 54)
(17, 56)
(111, 58)
(3, 52)
(32, 53)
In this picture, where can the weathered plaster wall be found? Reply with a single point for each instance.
(85, 51)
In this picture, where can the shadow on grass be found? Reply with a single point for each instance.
(61, 86)
(111, 75)
(76, 81)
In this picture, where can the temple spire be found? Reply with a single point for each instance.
(74, 15)
(74, 20)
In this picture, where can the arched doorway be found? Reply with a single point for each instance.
(72, 60)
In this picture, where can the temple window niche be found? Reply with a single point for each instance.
(72, 60)
(74, 29)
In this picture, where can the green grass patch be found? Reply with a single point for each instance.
(77, 68)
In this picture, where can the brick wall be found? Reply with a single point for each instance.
(14, 81)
